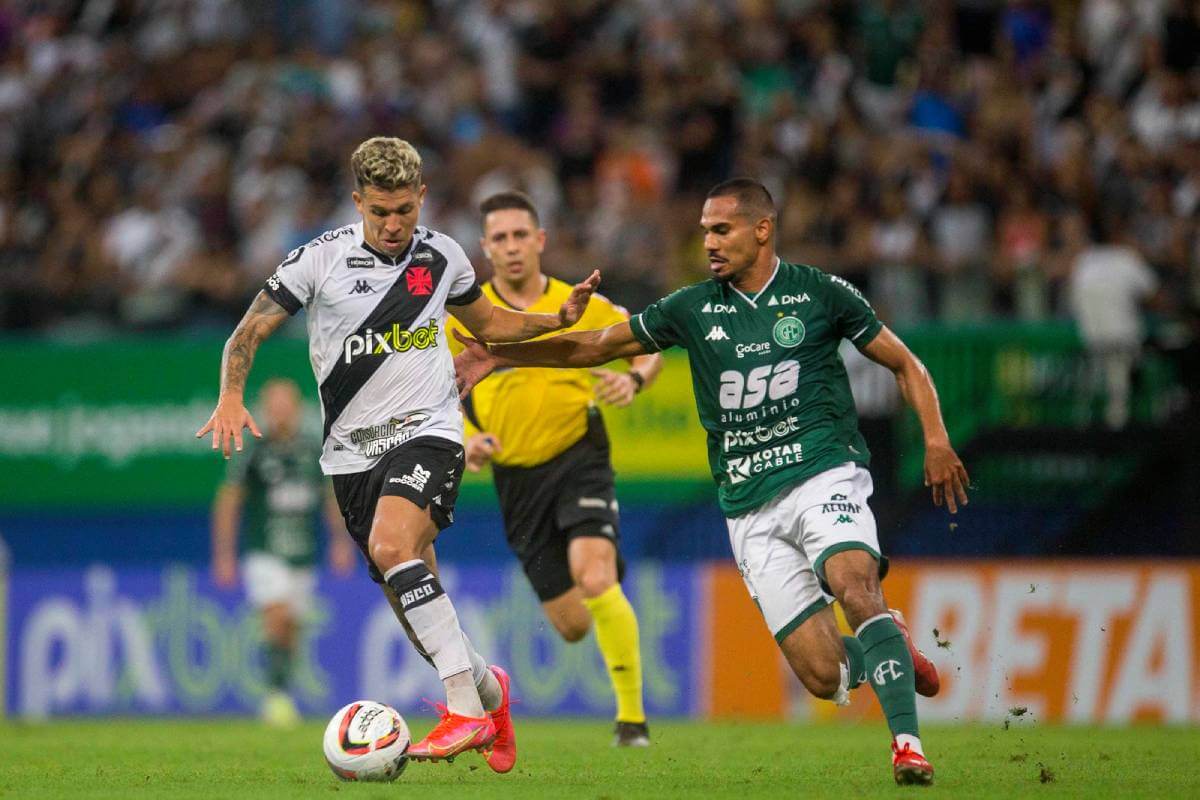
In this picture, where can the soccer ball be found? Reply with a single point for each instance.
(367, 741)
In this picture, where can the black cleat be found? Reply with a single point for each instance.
(631, 734)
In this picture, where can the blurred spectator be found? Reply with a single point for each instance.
(1109, 283)
(158, 159)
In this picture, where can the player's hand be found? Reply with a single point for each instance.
(226, 424)
(472, 365)
(224, 571)
(480, 449)
(615, 388)
(572, 310)
(946, 476)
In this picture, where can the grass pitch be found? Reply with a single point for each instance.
(573, 759)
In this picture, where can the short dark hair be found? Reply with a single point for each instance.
(752, 197)
(510, 199)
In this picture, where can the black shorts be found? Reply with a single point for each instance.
(548, 505)
(425, 470)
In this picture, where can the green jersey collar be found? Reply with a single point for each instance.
(753, 301)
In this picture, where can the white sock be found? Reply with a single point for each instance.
(842, 696)
(486, 684)
(461, 695)
(434, 622)
(913, 742)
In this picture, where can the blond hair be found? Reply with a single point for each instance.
(387, 163)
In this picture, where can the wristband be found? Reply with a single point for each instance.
(637, 379)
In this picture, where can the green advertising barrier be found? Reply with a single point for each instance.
(1014, 376)
(112, 424)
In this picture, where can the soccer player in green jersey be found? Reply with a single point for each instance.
(276, 494)
(783, 443)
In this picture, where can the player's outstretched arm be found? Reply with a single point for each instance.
(230, 415)
(488, 322)
(581, 349)
(944, 472)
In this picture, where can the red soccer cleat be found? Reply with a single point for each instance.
(927, 680)
(454, 734)
(910, 768)
(502, 755)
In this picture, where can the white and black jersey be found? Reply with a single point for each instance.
(377, 338)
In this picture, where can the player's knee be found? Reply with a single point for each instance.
(387, 553)
(572, 630)
(821, 680)
(595, 579)
(861, 599)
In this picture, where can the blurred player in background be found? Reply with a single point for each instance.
(376, 293)
(783, 443)
(275, 495)
(546, 440)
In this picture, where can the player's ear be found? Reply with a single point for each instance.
(763, 230)
(541, 239)
(483, 246)
(358, 200)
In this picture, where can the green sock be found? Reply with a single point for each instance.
(890, 670)
(854, 655)
(279, 666)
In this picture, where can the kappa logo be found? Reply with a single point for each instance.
(788, 299)
(717, 334)
(887, 671)
(362, 287)
(360, 262)
(717, 308)
(420, 281)
(843, 518)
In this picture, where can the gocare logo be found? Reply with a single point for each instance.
(391, 340)
(752, 349)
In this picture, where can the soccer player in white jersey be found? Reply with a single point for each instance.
(376, 293)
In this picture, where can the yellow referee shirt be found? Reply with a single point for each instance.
(536, 412)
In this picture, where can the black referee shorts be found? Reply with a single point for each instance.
(548, 505)
(426, 470)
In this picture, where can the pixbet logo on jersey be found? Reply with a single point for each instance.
(392, 340)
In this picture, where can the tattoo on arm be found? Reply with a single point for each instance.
(261, 320)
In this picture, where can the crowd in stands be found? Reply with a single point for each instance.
(957, 160)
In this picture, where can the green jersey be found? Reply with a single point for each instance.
(770, 387)
(284, 490)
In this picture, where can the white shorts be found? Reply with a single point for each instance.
(781, 547)
(270, 579)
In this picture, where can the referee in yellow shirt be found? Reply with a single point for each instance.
(545, 437)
